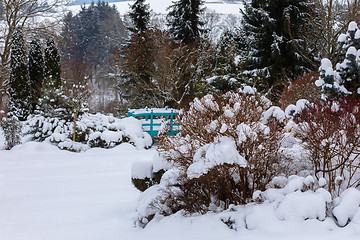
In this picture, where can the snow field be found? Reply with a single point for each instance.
(47, 193)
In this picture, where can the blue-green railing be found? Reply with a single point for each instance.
(151, 121)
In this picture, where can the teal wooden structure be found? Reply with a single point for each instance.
(152, 119)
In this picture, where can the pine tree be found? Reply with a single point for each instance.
(18, 87)
(36, 71)
(52, 70)
(275, 39)
(140, 16)
(184, 20)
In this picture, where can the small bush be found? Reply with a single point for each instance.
(12, 129)
(330, 132)
(92, 130)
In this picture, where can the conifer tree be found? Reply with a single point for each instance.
(140, 16)
(345, 78)
(36, 71)
(275, 39)
(18, 87)
(52, 65)
(184, 20)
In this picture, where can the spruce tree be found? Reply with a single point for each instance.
(184, 20)
(18, 87)
(275, 40)
(36, 71)
(140, 16)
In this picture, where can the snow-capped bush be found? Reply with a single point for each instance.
(92, 130)
(330, 131)
(226, 149)
(11, 128)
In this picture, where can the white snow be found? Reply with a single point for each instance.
(47, 193)
(352, 26)
(349, 206)
(342, 38)
(215, 154)
(351, 51)
(141, 168)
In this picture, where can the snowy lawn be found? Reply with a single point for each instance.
(50, 194)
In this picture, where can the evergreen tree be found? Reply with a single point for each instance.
(140, 16)
(275, 39)
(52, 65)
(36, 71)
(52, 87)
(18, 87)
(184, 20)
(345, 79)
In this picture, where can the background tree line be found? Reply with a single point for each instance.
(132, 62)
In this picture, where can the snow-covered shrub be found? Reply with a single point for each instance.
(330, 132)
(12, 130)
(145, 174)
(344, 78)
(92, 130)
(227, 148)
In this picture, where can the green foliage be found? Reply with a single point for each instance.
(142, 184)
(12, 129)
(52, 65)
(145, 183)
(36, 71)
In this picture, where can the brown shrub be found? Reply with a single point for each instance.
(331, 134)
(256, 129)
(302, 88)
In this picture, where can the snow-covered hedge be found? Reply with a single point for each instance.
(92, 130)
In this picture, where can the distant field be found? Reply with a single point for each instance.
(160, 6)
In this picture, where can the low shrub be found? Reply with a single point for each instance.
(12, 130)
(330, 131)
(92, 130)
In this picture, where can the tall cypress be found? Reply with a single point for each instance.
(18, 87)
(36, 71)
(140, 16)
(52, 64)
(184, 20)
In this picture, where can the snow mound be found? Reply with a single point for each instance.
(210, 155)
(348, 206)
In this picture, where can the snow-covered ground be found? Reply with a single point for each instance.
(47, 193)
